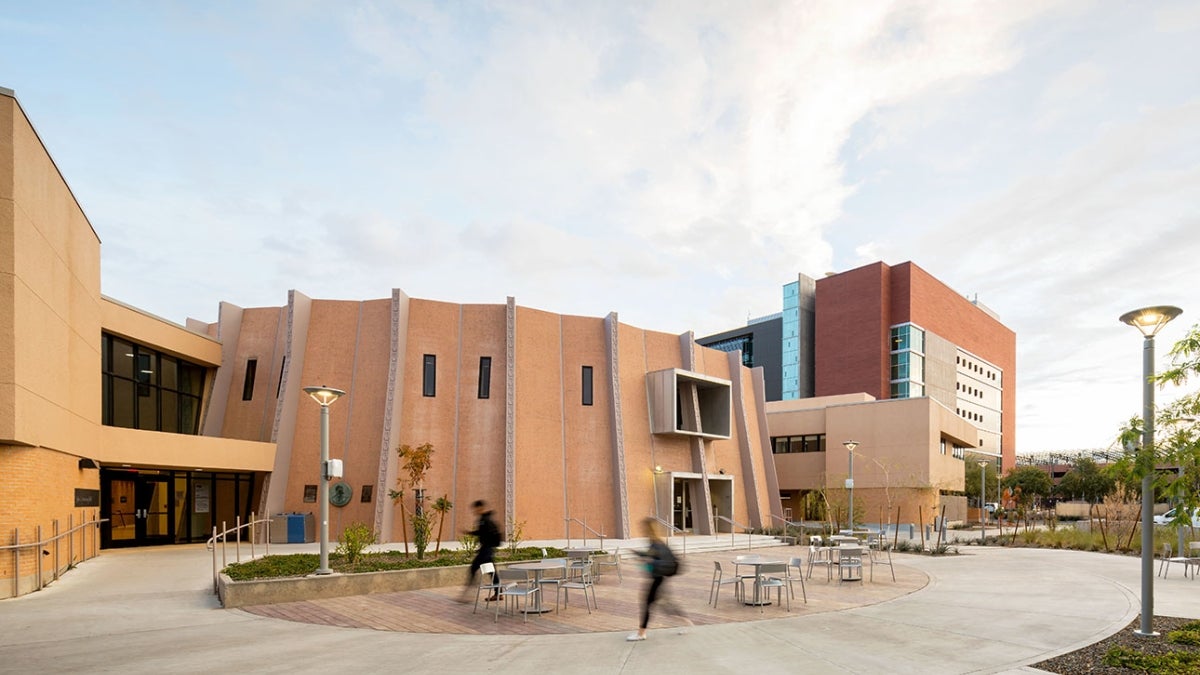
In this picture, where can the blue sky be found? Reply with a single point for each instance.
(675, 162)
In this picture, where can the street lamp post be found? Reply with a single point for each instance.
(850, 446)
(983, 502)
(325, 396)
(1148, 320)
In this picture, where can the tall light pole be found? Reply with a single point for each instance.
(983, 501)
(850, 446)
(1148, 320)
(325, 396)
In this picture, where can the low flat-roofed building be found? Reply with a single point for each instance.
(908, 460)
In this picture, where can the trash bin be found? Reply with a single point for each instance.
(292, 528)
(279, 529)
(300, 528)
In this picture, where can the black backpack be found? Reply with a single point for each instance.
(665, 564)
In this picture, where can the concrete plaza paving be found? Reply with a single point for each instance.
(986, 610)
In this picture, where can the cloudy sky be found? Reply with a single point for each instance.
(675, 162)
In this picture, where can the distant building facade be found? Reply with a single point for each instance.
(567, 425)
(886, 334)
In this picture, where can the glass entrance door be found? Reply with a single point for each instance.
(154, 500)
(138, 508)
(681, 500)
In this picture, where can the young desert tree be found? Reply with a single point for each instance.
(442, 506)
(416, 463)
(1178, 441)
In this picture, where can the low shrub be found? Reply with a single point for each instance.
(1170, 663)
(1187, 634)
(355, 539)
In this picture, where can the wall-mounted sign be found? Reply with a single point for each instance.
(85, 497)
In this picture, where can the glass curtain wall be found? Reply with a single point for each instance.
(146, 389)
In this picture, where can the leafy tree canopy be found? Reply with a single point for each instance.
(1029, 483)
(1086, 481)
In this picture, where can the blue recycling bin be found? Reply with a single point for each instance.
(299, 528)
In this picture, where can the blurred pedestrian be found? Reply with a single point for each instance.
(489, 539)
(660, 563)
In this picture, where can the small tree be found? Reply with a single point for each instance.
(1180, 422)
(416, 463)
(442, 506)
(1028, 485)
(398, 498)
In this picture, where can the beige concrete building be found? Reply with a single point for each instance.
(566, 424)
(908, 462)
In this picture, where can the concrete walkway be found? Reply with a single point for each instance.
(984, 611)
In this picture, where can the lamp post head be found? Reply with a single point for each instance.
(324, 395)
(850, 445)
(1149, 320)
(983, 463)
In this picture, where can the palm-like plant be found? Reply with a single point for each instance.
(398, 498)
(442, 505)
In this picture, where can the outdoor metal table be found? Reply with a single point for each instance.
(755, 561)
(538, 567)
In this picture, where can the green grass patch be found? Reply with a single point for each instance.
(303, 564)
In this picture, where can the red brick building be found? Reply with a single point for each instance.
(897, 332)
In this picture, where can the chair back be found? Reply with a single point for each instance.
(488, 568)
(585, 572)
(773, 568)
(518, 577)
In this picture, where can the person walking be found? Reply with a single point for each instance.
(489, 538)
(661, 563)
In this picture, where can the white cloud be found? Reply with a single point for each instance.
(673, 161)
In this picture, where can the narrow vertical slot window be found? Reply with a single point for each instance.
(587, 385)
(485, 376)
(248, 384)
(429, 386)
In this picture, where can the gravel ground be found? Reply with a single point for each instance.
(1090, 659)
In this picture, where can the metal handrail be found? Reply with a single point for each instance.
(671, 530)
(749, 532)
(71, 529)
(798, 524)
(211, 544)
(586, 529)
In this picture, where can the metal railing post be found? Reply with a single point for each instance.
(16, 562)
(37, 556)
(56, 549)
(224, 528)
(214, 558)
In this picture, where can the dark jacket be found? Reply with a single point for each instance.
(487, 532)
